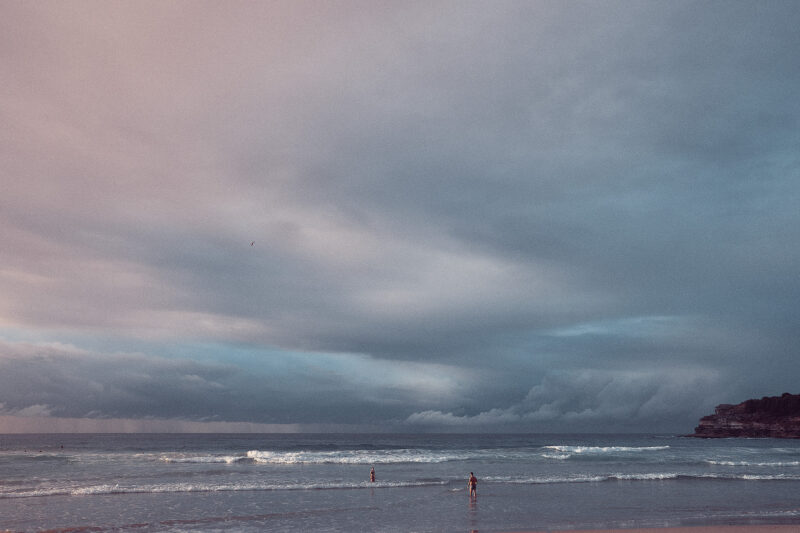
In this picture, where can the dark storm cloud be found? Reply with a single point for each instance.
(63, 381)
(535, 193)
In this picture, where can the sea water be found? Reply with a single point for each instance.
(303, 482)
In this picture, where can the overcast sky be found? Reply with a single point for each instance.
(405, 216)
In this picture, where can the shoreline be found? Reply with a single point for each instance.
(772, 528)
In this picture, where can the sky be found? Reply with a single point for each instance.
(538, 216)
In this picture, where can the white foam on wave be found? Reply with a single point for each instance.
(637, 476)
(537, 480)
(543, 480)
(210, 459)
(353, 457)
(650, 476)
(790, 451)
(563, 452)
(605, 449)
(400, 456)
(106, 489)
(747, 477)
(358, 457)
(768, 477)
(748, 463)
(559, 456)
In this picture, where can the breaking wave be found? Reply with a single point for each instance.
(206, 459)
(605, 449)
(748, 463)
(597, 452)
(15, 491)
(644, 476)
(344, 457)
(363, 457)
(107, 489)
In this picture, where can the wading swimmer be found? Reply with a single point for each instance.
(473, 485)
(372, 474)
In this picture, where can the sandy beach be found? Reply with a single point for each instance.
(697, 529)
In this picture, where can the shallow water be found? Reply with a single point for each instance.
(321, 482)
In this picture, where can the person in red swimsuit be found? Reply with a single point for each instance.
(473, 485)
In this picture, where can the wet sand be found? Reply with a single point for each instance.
(698, 529)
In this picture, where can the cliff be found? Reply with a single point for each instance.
(772, 417)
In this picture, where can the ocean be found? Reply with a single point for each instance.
(320, 482)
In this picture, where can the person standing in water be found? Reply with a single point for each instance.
(372, 474)
(473, 485)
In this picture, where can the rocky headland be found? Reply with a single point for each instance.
(776, 417)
